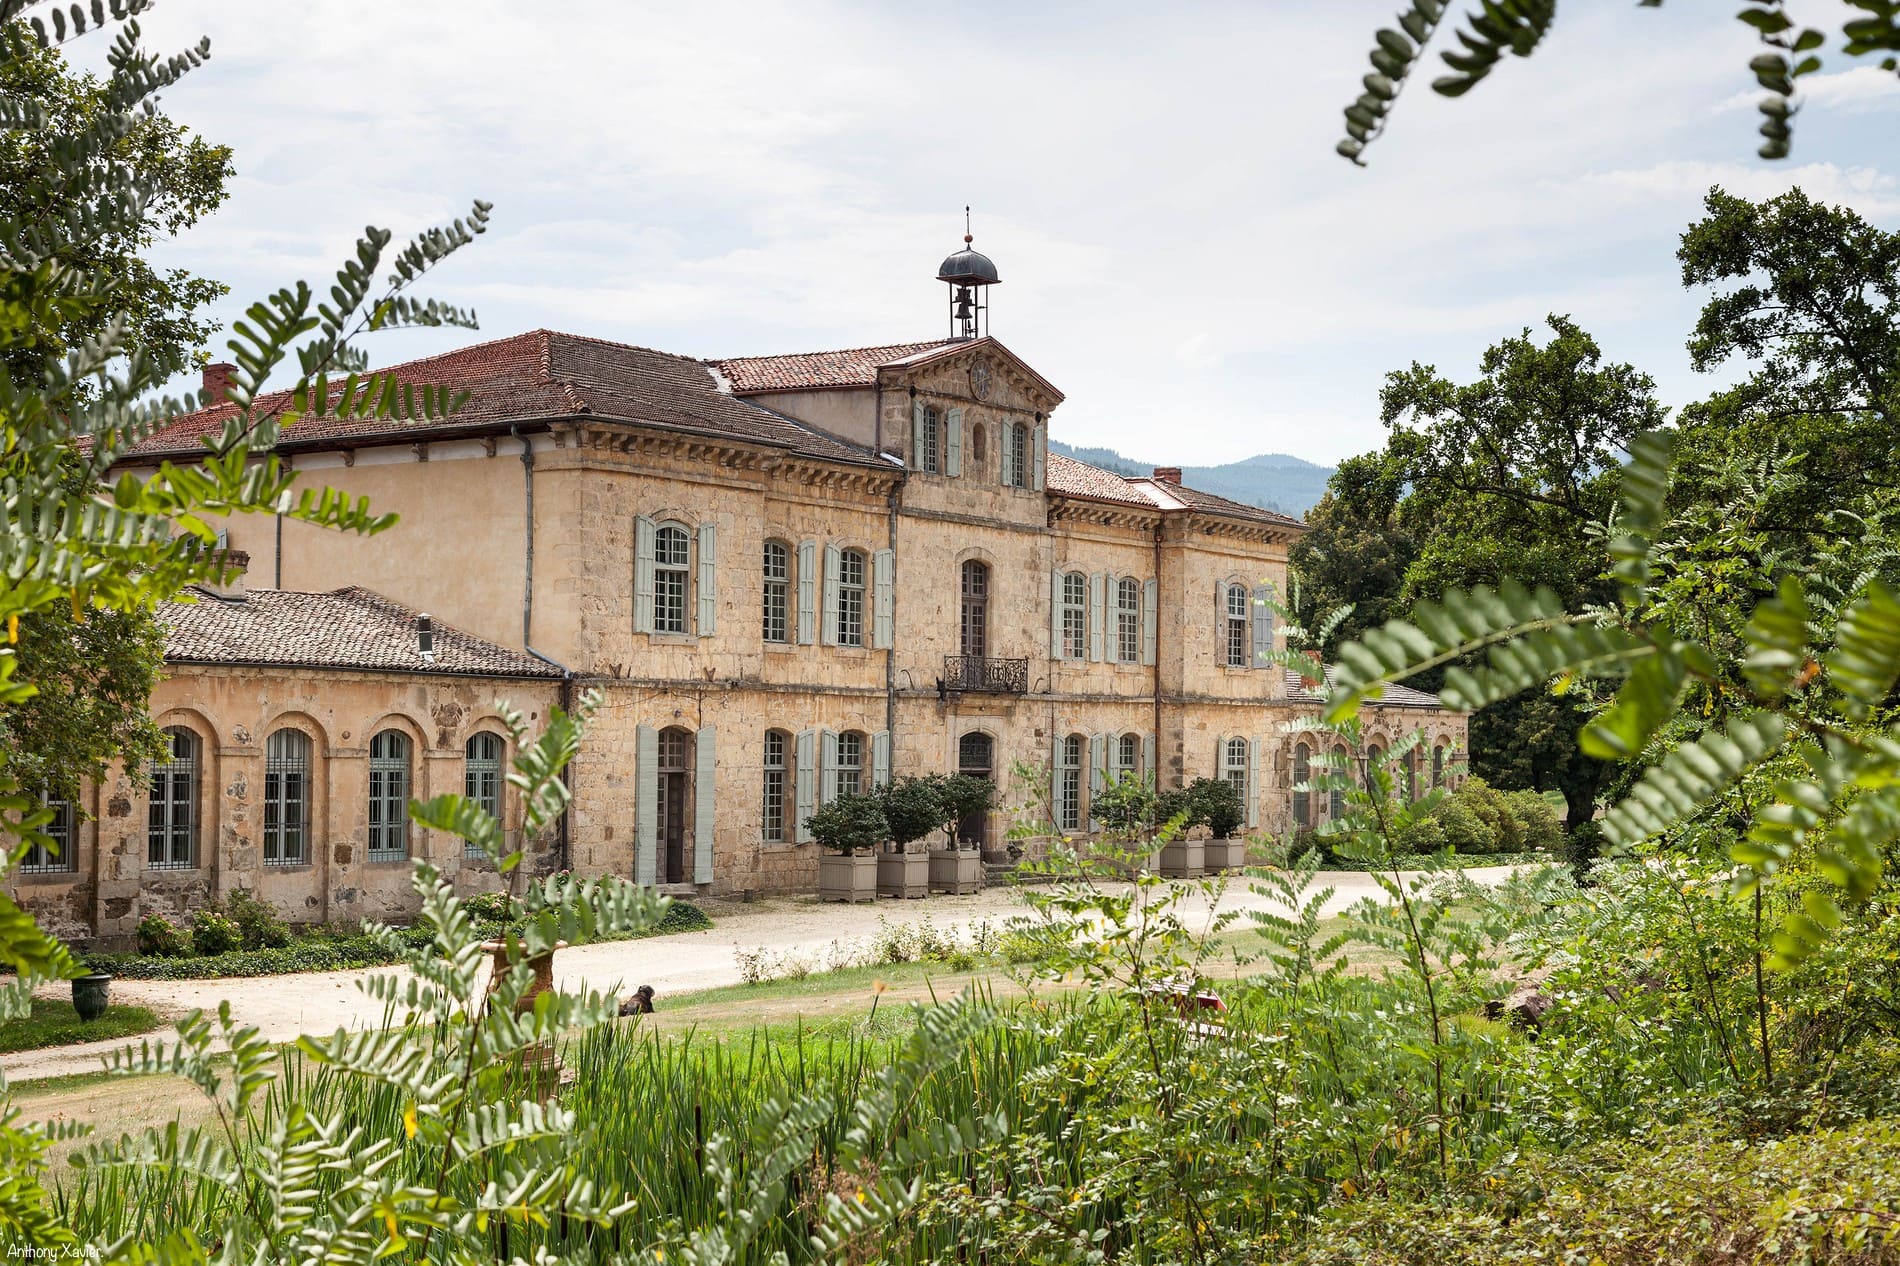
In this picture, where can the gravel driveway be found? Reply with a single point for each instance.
(283, 1007)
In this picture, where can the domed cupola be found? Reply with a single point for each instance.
(969, 273)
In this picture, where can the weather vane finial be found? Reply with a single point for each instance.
(967, 239)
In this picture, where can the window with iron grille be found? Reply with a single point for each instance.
(60, 858)
(930, 442)
(287, 798)
(171, 835)
(1128, 620)
(1069, 784)
(1302, 798)
(1237, 648)
(1234, 766)
(778, 589)
(773, 818)
(389, 796)
(1075, 616)
(1336, 798)
(851, 763)
(671, 551)
(851, 598)
(481, 778)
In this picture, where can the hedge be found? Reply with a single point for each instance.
(324, 951)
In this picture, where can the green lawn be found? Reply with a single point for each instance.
(55, 1023)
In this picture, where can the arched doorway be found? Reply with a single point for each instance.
(675, 797)
(976, 757)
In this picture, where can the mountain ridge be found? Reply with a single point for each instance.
(1272, 481)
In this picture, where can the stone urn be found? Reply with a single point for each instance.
(956, 870)
(903, 875)
(1227, 854)
(92, 994)
(541, 1069)
(1184, 858)
(847, 877)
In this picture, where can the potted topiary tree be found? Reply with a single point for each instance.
(1224, 817)
(958, 866)
(1126, 810)
(849, 829)
(913, 809)
(1175, 815)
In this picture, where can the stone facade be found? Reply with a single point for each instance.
(638, 541)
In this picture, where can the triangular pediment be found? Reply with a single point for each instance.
(981, 370)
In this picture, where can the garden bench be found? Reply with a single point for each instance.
(1199, 1014)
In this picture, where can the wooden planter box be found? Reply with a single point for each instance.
(1226, 854)
(847, 878)
(1183, 859)
(903, 875)
(956, 870)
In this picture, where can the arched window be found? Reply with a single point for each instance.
(1069, 783)
(851, 763)
(60, 857)
(671, 552)
(1373, 753)
(1075, 615)
(1128, 620)
(1235, 624)
(481, 777)
(1234, 766)
(1302, 798)
(976, 608)
(777, 594)
(287, 798)
(171, 833)
(1129, 749)
(1336, 798)
(850, 598)
(1411, 774)
(778, 745)
(389, 796)
(1438, 765)
(976, 444)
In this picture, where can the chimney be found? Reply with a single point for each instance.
(235, 562)
(425, 638)
(217, 378)
(1168, 474)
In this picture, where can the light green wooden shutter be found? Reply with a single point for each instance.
(1254, 748)
(1148, 769)
(1262, 627)
(807, 591)
(1055, 780)
(827, 767)
(833, 564)
(883, 567)
(1007, 446)
(1037, 446)
(953, 443)
(880, 758)
(805, 784)
(705, 801)
(708, 621)
(1098, 615)
(643, 530)
(1098, 758)
(1055, 617)
(646, 804)
(1150, 595)
(919, 424)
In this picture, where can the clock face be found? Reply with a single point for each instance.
(980, 380)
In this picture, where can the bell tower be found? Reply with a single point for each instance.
(969, 274)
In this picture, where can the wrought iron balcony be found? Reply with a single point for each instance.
(986, 674)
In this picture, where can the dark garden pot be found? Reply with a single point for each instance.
(91, 995)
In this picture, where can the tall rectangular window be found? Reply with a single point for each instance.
(773, 818)
(171, 834)
(851, 763)
(1302, 796)
(777, 592)
(851, 598)
(1234, 766)
(39, 859)
(1015, 455)
(670, 554)
(1069, 785)
(1129, 751)
(389, 796)
(481, 778)
(1075, 616)
(1128, 620)
(930, 441)
(286, 798)
(1237, 648)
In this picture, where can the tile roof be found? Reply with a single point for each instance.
(539, 375)
(344, 628)
(815, 371)
(1065, 476)
(1393, 696)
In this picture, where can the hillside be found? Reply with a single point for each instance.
(1276, 481)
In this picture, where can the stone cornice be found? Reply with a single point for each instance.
(1106, 513)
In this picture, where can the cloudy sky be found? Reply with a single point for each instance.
(1181, 251)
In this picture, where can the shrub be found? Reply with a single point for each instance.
(1537, 822)
(214, 932)
(1218, 806)
(849, 823)
(161, 938)
(912, 807)
(257, 921)
(1178, 809)
(1126, 806)
(1465, 831)
(491, 907)
(963, 795)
